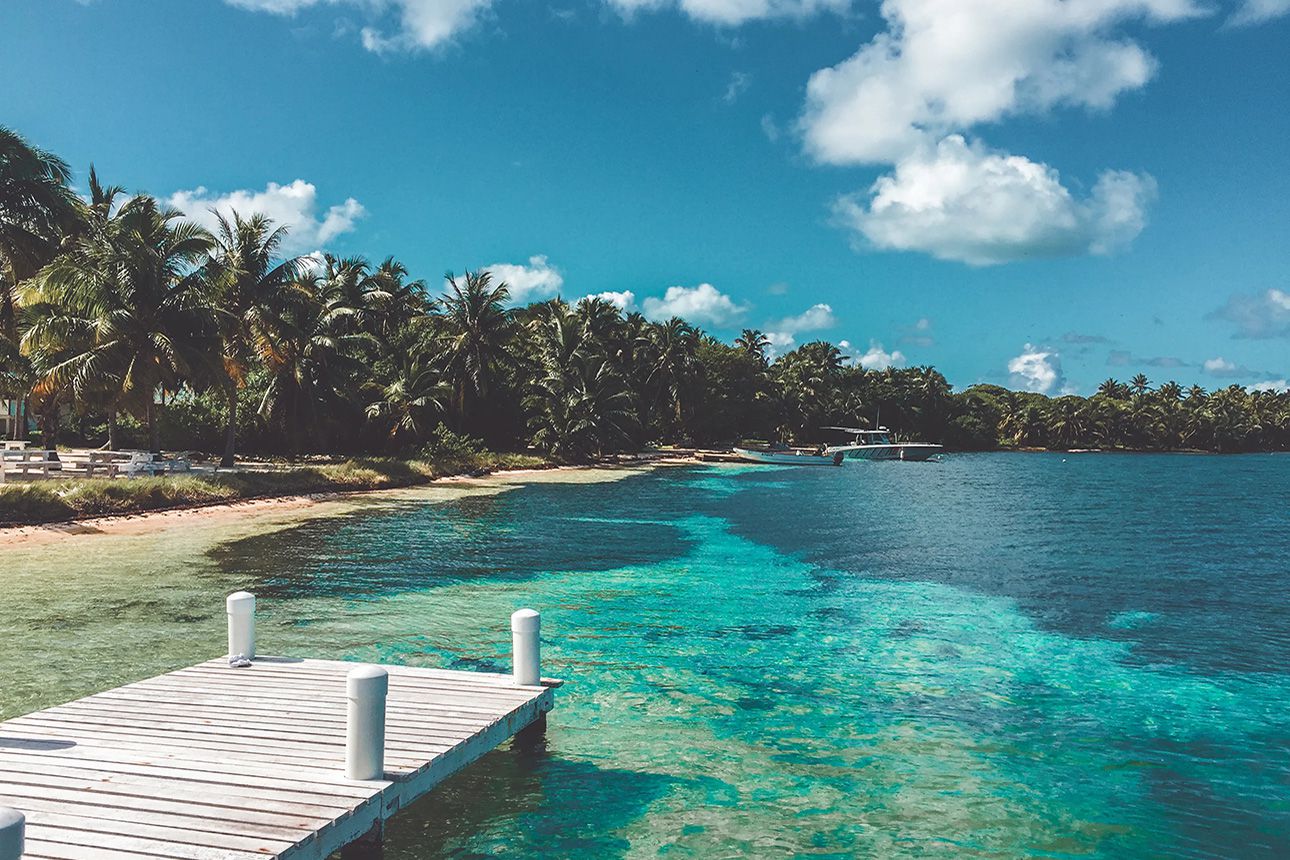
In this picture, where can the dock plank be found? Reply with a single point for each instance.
(213, 763)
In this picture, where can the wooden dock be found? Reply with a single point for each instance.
(217, 762)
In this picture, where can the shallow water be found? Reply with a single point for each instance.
(997, 655)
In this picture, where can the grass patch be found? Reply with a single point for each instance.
(59, 500)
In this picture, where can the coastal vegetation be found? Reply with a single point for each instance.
(124, 324)
(62, 499)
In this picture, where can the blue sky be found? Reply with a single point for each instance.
(1036, 193)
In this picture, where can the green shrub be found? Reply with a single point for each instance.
(33, 503)
(68, 498)
(454, 453)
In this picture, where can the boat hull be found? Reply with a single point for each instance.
(914, 452)
(786, 458)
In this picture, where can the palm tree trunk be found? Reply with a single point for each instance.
(230, 430)
(154, 429)
(111, 428)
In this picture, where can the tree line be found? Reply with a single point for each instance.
(123, 322)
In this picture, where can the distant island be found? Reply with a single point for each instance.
(122, 324)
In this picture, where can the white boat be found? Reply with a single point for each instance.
(787, 457)
(877, 445)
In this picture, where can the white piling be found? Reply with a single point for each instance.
(366, 688)
(526, 635)
(12, 825)
(241, 624)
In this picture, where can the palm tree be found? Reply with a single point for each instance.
(252, 289)
(37, 210)
(1170, 392)
(474, 342)
(578, 403)
(1066, 422)
(398, 300)
(1113, 389)
(314, 361)
(600, 322)
(674, 369)
(1139, 385)
(125, 313)
(1013, 418)
(754, 344)
(409, 404)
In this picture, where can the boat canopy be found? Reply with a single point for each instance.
(882, 430)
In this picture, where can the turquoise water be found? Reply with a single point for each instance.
(993, 656)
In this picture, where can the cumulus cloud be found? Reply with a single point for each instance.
(877, 358)
(815, 318)
(1037, 369)
(1258, 11)
(783, 333)
(704, 304)
(1270, 385)
(949, 65)
(294, 205)
(532, 282)
(961, 201)
(1221, 368)
(624, 300)
(734, 12)
(1258, 316)
(780, 342)
(394, 25)
(944, 67)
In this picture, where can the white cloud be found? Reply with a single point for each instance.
(277, 7)
(528, 283)
(294, 205)
(948, 65)
(1258, 11)
(737, 86)
(734, 12)
(701, 304)
(877, 358)
(780, 343)
(944, 67)
(1219, 367)
(1222, 368)
(1257, 315)
(416, 23)
(961, 201)
(624, 300)
(1271, 385)
(1037, 369)
(816, 317)
(919, 334)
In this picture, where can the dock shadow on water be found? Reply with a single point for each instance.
(838, 662)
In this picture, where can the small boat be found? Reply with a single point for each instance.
(877, 445)
(787, 457)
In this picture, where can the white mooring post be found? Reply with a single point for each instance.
(241, 624)
(12, 825)
(366, 688)
(526, 635)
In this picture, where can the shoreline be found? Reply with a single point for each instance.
(142, 522)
